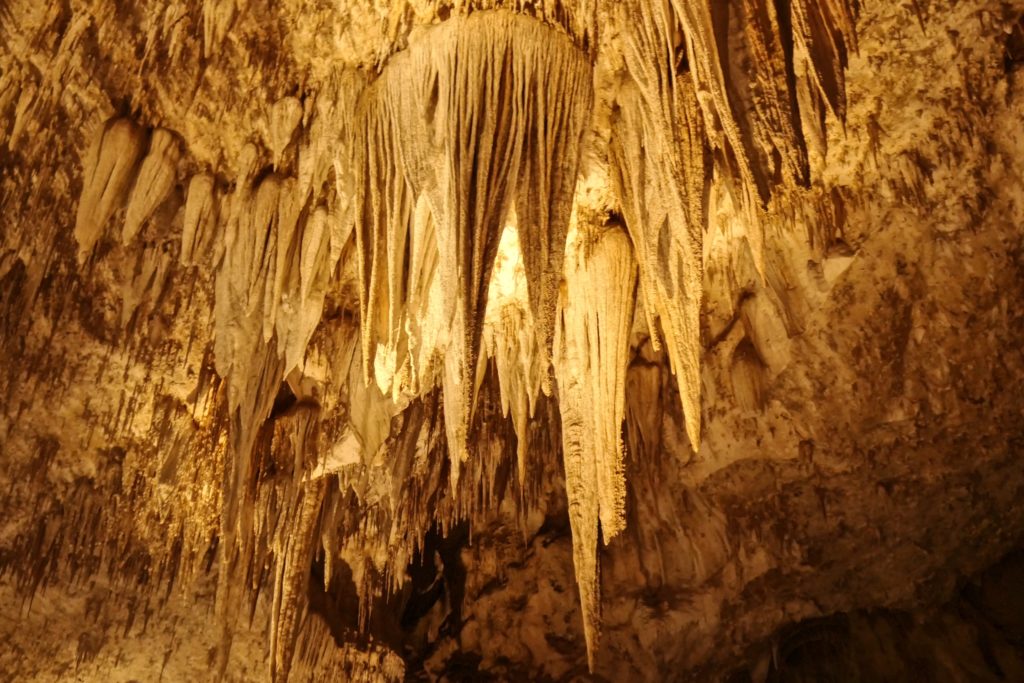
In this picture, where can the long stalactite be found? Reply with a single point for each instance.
(592, 348)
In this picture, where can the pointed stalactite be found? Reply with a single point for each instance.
(519, 376)
(384, 207)
(218, 15)
(250, 366)
(425, 305)
(545, 190)
(304, 287)
(706, 31)
(661, 169)
(108, 171)
(326, 141)
(286, 253)
(200, 220)
(744, 57)
(155, 180)
(476, 111)
(590, 366)
(147, 283)
(510, 339)
(723, 101)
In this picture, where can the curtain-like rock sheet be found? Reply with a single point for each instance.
(482, 113)
(283, 235)
(590, 365)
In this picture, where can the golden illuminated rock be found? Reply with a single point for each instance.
(511, 339)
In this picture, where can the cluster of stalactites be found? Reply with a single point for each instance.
(509, 338)
(278, 237)
(661, 169)
(591, 359)
(745, 57)
(714, 81)
(283, 232)
(125, 167)
(290, 528)
(482, 115)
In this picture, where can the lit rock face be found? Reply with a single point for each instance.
(336, 336)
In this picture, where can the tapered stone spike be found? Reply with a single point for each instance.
(285, 116)
(156, 178)
(200, 219)
(110, 168)
(590, 365)
(510, 338)
(825, 31)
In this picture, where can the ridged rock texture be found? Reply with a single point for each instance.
(512, 340)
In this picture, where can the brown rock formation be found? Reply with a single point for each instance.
(334, 336)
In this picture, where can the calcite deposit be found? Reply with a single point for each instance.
(381, 340)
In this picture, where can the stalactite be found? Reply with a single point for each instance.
(146, 285)
(597, 314)
(109, 170)
(304, 287)
(747, 372)
(510, 338)
(200, 220)
(661, 172)
(294, 536)
(156, 178)
(778, 148)
(217, 19)
(249, 365)
(470, 115)
(706, 30)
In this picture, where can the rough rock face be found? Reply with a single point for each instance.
(554, 340)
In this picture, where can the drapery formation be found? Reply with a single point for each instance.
(482, 114)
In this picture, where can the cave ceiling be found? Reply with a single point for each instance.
(510, 339)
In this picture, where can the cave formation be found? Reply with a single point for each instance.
(385, 340)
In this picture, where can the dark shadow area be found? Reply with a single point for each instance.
(978, 636)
